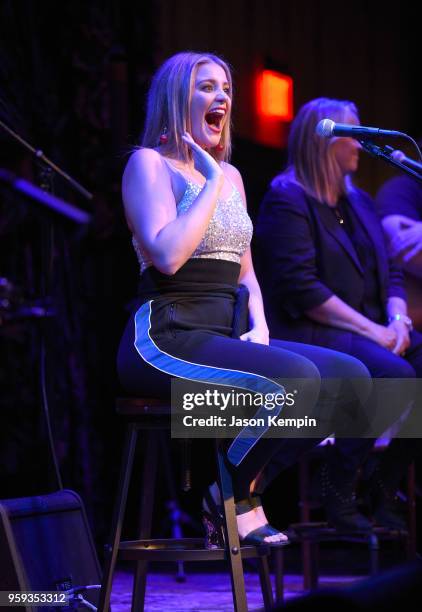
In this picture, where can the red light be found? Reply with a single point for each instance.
(275, 95)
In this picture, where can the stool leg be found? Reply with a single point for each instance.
(146, 507)
(279, 574)
(173, 502)
(231, 535)
(118, 516)
(265, 580)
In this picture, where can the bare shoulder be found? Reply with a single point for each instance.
(147, 194)
(144, 160)
(145, 174)
(146, 183)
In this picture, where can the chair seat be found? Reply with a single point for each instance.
(141, 407)
(181, 549)
(311, 534)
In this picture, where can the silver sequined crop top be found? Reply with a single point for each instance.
(229, 232)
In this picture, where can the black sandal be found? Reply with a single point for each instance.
(257, 537)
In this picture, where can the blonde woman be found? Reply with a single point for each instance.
(186, 209)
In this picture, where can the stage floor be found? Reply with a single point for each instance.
(203, 592)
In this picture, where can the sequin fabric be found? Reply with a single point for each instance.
(229, 232)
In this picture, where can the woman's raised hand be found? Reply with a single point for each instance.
(204, 162)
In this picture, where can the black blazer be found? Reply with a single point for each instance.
(303, 256)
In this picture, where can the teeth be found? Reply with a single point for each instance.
(217, 111)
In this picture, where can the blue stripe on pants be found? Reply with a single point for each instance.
(152, 354)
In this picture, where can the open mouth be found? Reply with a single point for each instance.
(215, 119)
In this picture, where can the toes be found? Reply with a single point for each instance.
(278, 537)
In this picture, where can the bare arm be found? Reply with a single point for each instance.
(405, 240)
(393, 223)
(168, 239)
(258, 325)
(396, 305)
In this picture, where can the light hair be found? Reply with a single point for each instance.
(168, 106)
(311, 162)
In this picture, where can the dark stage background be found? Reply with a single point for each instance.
(73, 78)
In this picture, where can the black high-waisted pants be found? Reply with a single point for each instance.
(183, 327)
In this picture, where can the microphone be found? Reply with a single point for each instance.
(327, 129)
(407, 161)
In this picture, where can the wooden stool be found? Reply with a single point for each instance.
(152, 417)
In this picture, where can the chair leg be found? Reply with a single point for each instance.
(231, 535)
(411, 504)
(314, 577)
(305, 517)
(307, 564)
(146, 508)
(265, 580)
(118, 515)
(374, 547)
(310, 559)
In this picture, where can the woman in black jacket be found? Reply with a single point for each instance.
(327, 278)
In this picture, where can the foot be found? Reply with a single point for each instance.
(340, 504)
(252, 524)
(385, 504)
(253, 528)
(342, 513)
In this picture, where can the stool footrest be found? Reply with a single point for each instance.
(182, 549)
(318, 532)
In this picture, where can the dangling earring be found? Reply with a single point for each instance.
(220, 147)
(164, 137)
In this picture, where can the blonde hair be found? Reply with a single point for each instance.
(168, 106)
(310, 159)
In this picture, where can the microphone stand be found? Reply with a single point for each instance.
(44, 195)
(46, 170)
(48, 164)
(384, 153)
